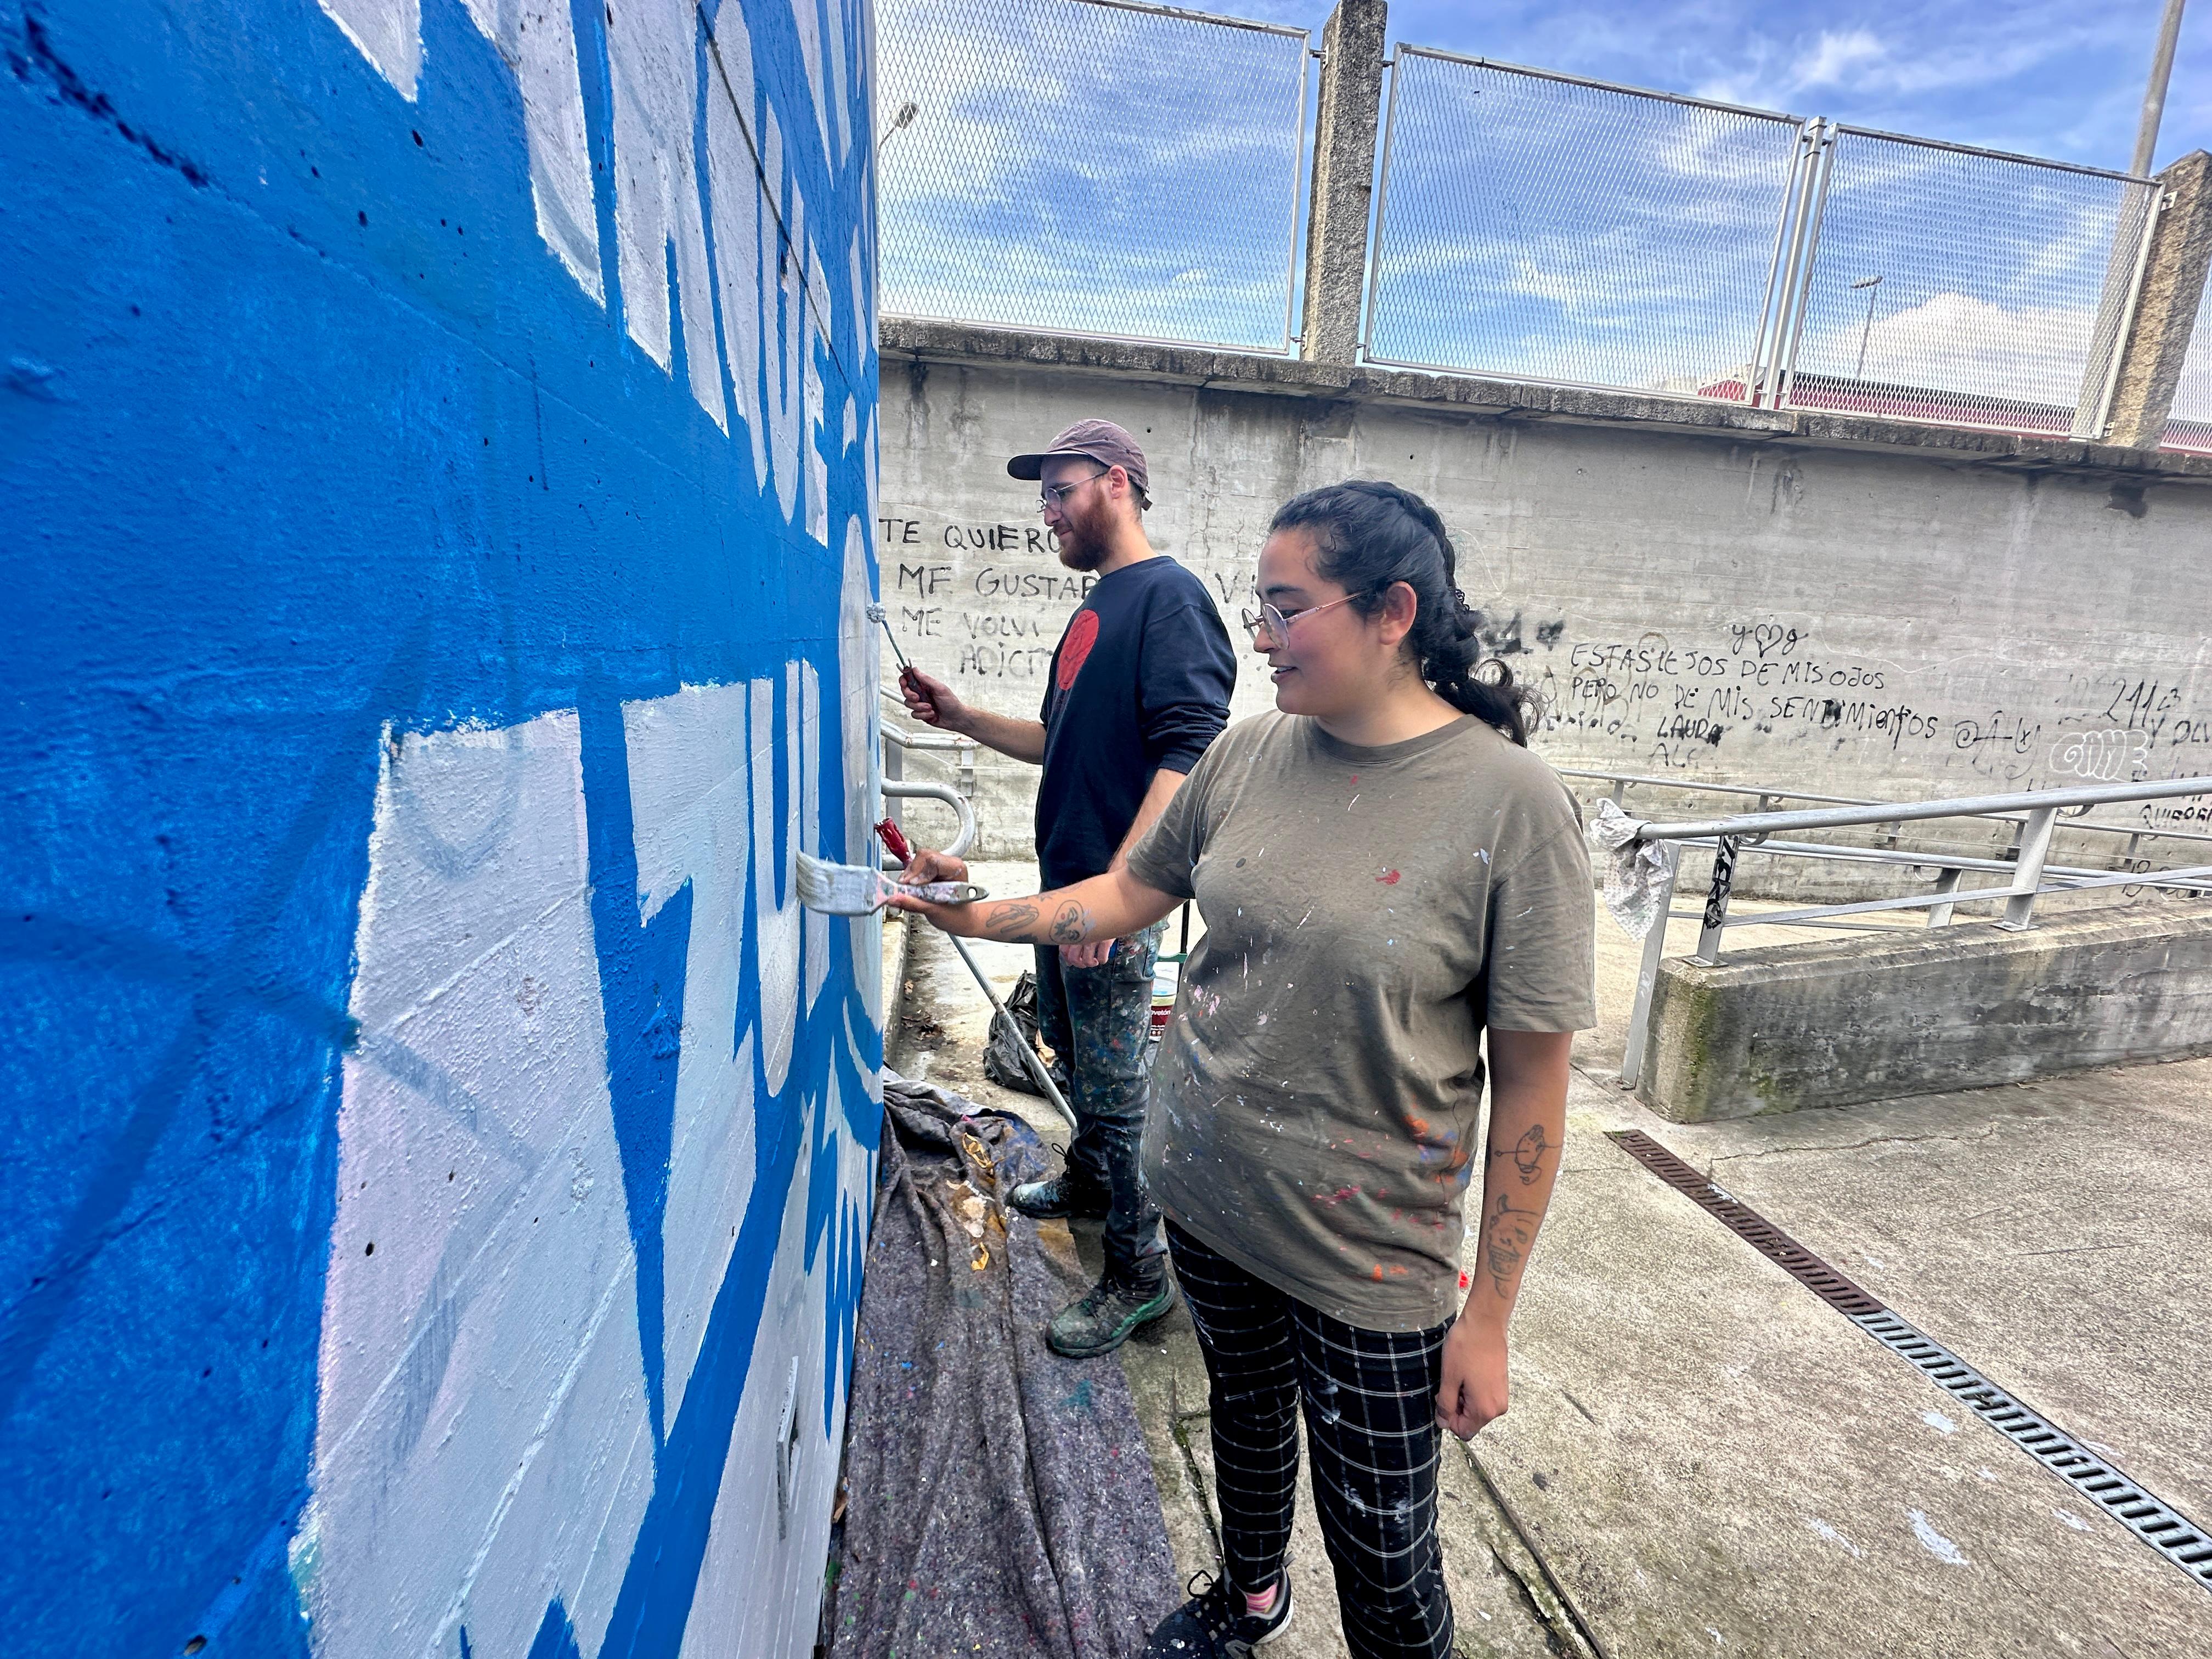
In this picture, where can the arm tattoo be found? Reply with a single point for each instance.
(1011, 922)
(1068, 924)
(1526, 1153)
(1507, 1236)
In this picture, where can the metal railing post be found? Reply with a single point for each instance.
(1647, 974)
(1824, 161)
(1365, 343)
(1789, 229)
(1939, 916)
(2034, 849)
(1716, 904)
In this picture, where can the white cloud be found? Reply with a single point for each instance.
(1140, 177)
(1941, 71)
(1959, 344)
(1839, 59)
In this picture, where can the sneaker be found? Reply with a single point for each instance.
(1212, 1624)
(1112, 1311)
(1064, 1194)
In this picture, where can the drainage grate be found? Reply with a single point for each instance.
(2158, 1524)
(1762, 1235)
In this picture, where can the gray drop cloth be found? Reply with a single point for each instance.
(999, 1499)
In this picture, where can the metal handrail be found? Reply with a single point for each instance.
(1693, 786)
(1762, 791)
(921, 740)
(2034, 803)
(894, 789)
(1819, 850)
(899, 740)
(2032, 875)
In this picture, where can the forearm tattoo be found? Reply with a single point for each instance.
(1508, 1234)
(1013, 921)
(1069, 924)
(1526, 1153)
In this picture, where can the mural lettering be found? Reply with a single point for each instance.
(469, 1142)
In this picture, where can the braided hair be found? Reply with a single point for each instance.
(1369, 535)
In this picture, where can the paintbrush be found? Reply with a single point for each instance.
(854, 889)
(878, 614)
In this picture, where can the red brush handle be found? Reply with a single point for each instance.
(894, 842)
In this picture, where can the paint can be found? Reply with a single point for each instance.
(1165, 976)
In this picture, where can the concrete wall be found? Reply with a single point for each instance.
(1839, 605)
(437, 445)
(1838, 1021)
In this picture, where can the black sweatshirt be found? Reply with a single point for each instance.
(1140, 684)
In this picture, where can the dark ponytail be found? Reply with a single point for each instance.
(1368, 535)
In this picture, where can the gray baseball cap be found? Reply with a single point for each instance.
(1098, 441)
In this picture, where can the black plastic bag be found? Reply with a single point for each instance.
(1010, 1032)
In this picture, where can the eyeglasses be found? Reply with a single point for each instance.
(1053, 496)
(1276, 624)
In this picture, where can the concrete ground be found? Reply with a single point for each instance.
(1702, 1457)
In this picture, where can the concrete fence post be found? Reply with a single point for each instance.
(2165, 314)
(1343, 179)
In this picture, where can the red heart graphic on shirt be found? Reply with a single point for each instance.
(1075, 647)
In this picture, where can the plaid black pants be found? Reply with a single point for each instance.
(1369, 1400)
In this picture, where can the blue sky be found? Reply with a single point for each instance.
(2064, 81)
(1099, 171)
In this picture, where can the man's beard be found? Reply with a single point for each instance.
(1082, 543)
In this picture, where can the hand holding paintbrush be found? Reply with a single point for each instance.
(856, 890)
(929, 700)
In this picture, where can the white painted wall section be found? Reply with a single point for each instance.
(537, 39)
(387, 32)
(775, 877)
(764, 1552)
(734, 194)
(691, 820)
(859, 653)
(481, 1298)
(652, 51)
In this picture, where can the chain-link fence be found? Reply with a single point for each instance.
(1541, 227)
(1089, 167)
(1109, 168)
(1538, 227)
(1964, 287)
(2188, 425)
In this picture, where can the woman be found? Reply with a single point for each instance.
(1385, 872)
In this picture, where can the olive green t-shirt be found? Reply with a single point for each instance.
(1316, 1104)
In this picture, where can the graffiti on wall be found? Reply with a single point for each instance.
(453, 1242)
(1808, 699)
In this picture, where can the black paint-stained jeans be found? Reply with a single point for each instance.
(1371, 1411)
(1097, 1021)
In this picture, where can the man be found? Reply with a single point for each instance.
(1139, 686)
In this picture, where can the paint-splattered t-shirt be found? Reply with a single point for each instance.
(1317, 1103)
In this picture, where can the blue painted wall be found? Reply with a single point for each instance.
(438, 1153)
